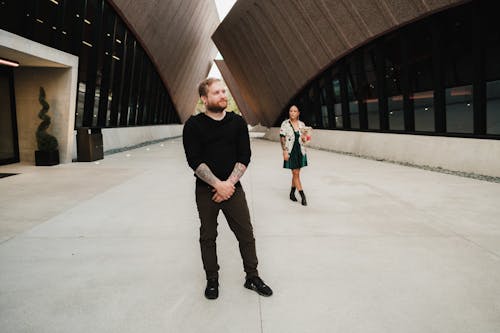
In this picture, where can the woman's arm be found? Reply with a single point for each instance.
(283, 142)
(283, 147)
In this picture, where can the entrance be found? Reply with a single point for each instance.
(9, 148)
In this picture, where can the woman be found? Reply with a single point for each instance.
(293, 137)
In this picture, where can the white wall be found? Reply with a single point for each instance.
(477, 156)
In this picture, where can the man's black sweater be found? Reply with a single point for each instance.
(220, 144)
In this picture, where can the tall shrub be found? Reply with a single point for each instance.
(46, 142)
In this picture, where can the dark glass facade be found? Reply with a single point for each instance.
(117, 83)
(437, 76)
(9, 148)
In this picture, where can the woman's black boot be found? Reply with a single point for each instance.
(303, 196)
(292, 194)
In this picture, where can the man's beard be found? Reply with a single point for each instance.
(215, 108)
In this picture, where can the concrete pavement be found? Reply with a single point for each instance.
(113, 247)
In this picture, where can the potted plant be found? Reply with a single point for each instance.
(47, 153)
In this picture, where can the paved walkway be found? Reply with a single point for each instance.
(112, 247)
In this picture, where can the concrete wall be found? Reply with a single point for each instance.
(457, 154)
(176, 35)
(273, 48)
(117, 138)
(129, 137)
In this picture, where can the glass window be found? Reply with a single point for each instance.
(80, 104)
(142, 91)
(8, 137)
(492, 67)
(154, 100)
(337, 100)
(392, 76)
(74, 13)
(459, 109)
(337, 97)
(146, 93)
(101, 63)
(117, 70)
(97, 97)
(420, 70)
(90, 24)
(426, 83)
(14, 14)
(423, 103)
(458, 71)
(136, 86)
(326, 96)
(324, 108)
(493, 107)
(90, 52)
(134, 102)
(311, 112)
(91, 30)
(129, 47)
(104, 67)
(370, 96)
(353, 92)
(45, 22)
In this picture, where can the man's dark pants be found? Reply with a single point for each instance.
(236, 212)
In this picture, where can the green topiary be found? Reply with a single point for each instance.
(46, 142)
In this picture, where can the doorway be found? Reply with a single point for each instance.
(9, 145)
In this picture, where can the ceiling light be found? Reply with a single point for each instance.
(9, 62)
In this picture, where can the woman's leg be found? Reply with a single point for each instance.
(292, 191)
(296, 179)
(296, 174)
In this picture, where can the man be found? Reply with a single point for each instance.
(217, 148)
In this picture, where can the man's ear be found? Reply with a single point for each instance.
(204, 99)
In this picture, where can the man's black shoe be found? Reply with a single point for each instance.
(256, 283)
(212, 289)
